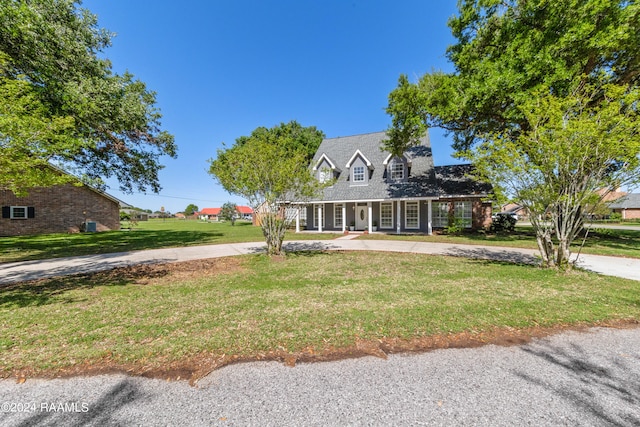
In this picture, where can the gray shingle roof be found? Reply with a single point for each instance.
(424, 180)
(630, 201)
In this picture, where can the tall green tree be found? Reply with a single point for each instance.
(62, 104)
(540, 90)
(229, 212)
(190, 209)
(269, 168)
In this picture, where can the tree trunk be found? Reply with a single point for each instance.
(273, 229)
(545, 244)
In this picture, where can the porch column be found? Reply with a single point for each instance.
(344, 217)
(298, 219)
(370, 217)
(429, 217)
(320, 218)
(398, 219)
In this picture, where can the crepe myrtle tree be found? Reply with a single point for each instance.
(269, 168)
(543, 99)
(559, 167)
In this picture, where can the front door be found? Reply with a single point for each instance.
(362, 220)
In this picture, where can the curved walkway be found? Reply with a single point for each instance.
(28, 270)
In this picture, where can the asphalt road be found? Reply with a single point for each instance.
(589, 378)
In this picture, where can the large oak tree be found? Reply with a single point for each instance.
(60, 103)
(544, 98)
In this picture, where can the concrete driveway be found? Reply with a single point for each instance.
(27, 270)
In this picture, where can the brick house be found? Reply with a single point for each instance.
(58, 209)
(372, 190)
(628, 206)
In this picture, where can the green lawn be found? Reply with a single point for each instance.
(145, 235)
(305, 303)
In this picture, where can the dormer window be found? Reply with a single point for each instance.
(325, 175)
(397, 170)
(326, 168)
(360, 169)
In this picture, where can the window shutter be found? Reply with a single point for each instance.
(6, 212)
(31, 212)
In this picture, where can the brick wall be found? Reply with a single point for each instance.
(629, 213)
(60, 209)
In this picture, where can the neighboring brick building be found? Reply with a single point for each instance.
(628, 206)
(58, 209)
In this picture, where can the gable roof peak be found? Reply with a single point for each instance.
(332, 164)
(357, 154)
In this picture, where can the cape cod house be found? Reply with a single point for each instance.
(371, 190)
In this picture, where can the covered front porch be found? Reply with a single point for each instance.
(388, 216)
(399, 216)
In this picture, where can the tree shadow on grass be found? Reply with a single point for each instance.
(57, 289)
(493, 255)
(609, 392)
(308, 248)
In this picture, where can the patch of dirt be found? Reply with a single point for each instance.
(193, 368)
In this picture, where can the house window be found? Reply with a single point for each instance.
(386, 215)
(337, 215)
(324, 175)
(397, 170)
(358, 174)
(315, 215)
(440, 214)
(462, 213)
(411, 215)
(18, 212)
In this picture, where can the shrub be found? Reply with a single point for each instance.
(503, 223)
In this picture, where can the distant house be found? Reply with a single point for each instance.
(209, 214)
(213, 214)
(58, 209)
(370, 189)
(135, 214)
(521, 212)
(245, 212)
(628, 206)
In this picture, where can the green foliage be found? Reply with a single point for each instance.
(269, 168)
(190, 209)
(544, 100)
(503, 224)
(615, 216)
(61, 103)
(454, 226)
(229, 212)
(291, 136)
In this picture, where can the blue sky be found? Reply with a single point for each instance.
(221, 68)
